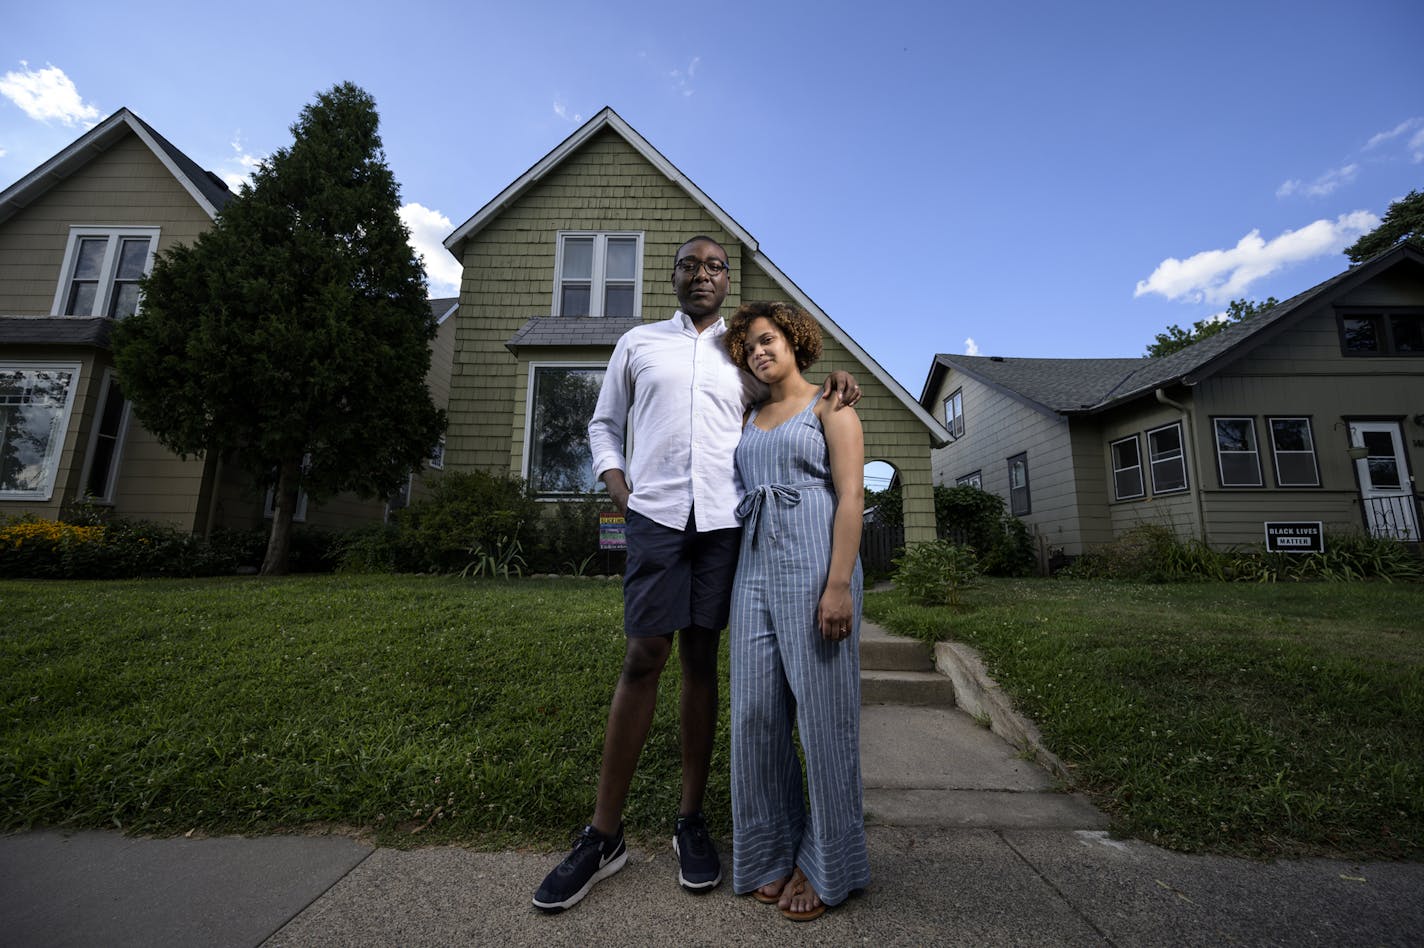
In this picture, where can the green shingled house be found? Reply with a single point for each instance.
(567, 258)
(1310, 412)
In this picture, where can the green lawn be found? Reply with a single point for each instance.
(1232, 718)
(1270, 719)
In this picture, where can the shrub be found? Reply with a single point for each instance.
(47, 549)
(936, 573)
(466, 510)
(975, 517)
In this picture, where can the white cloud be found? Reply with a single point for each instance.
(562, 111)
(1398, 130)
(1416, 146)
(47, 95)
(238, 169)
(1218, 276)
(3, 153)
(682, 78)
(1322, 185)
(971, 348)
(428, 230)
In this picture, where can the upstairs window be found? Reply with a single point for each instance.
(954, 414)
(599, 274)
(1382, 334)
(101, 270)
(1127, 469)
(1238, 462)
(1293, 448)
(1169, 462)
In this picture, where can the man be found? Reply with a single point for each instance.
(675, 386)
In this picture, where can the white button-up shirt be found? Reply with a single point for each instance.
(673, 399)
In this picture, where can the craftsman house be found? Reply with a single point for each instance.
(571, 255)
(1310, 412)
(75, 236)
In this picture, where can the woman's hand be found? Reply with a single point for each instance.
(836, 613)
(843, 386)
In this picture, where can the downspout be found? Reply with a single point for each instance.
(1191, 439)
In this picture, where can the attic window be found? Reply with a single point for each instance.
(598, 274)
(101, 270)
(1395, 333)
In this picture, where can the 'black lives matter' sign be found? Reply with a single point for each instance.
(1283, 537)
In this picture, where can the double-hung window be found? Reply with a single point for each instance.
(1018, 485)
(1238, 461)
(1127, 469)
(1168, 461)
(954, 414)
(599, 274)
(557, 458)
(106, 443)
(1293, 449)
(35, 404)
(101, 270)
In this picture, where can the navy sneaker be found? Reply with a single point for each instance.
(594, 857)
(698, 868)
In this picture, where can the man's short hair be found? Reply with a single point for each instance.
(676, 254)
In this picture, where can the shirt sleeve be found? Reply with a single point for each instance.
(608, 428)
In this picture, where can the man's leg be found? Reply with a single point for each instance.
(629, 718)
(697, 649)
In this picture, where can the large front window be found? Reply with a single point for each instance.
(598, 275)
(35, 402)
(561, 401)
(1238, 462)
(102, 267)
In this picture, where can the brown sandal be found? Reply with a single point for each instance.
(770, 899)
(800, 886)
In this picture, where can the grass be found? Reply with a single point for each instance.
(1260, 720)
(419, 708)
(1234, 718)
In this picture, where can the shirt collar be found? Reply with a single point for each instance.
(684, 322)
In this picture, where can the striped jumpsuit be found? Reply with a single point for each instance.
(785, 673)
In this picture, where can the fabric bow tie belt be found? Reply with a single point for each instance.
(756, 509)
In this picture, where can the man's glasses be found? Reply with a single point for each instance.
(690, 266)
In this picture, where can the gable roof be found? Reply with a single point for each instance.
(443, 307)
(1085, 386)
(206, 188)
(608, 119)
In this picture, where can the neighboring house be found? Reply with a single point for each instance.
(571, 255)
(1312, 411)
(75, 236)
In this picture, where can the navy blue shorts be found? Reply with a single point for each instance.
(677, 578)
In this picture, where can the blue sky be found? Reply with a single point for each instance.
(1028, 179)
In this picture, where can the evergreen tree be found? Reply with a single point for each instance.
(1177, 338)
(292, 338)
(1403, 223)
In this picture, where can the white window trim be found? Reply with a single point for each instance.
(1256, 451)
(1112, 463)
(52, 462)
(955, 425)
(529, 417)
(1276, 454)
(107, 497)
(597, 280)
(437, 455)
(106, 270)
(1181, 457)
(972, 479)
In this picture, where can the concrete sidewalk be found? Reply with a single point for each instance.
(970, 843)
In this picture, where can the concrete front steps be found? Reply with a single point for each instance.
(897, 670)
(927, 763)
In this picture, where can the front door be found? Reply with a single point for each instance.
(1386, 491)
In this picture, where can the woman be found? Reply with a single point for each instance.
(795, 627)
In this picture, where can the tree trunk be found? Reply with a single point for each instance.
(284, 505)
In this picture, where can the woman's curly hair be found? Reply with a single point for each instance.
(795, 324)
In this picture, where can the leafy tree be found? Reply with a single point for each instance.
(292, 338)
(1403, 223)
(1176, 338)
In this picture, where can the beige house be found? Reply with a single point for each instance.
(75, 236)
(572, 254)
(1312, 412)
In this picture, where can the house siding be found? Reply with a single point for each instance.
(125, 186)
